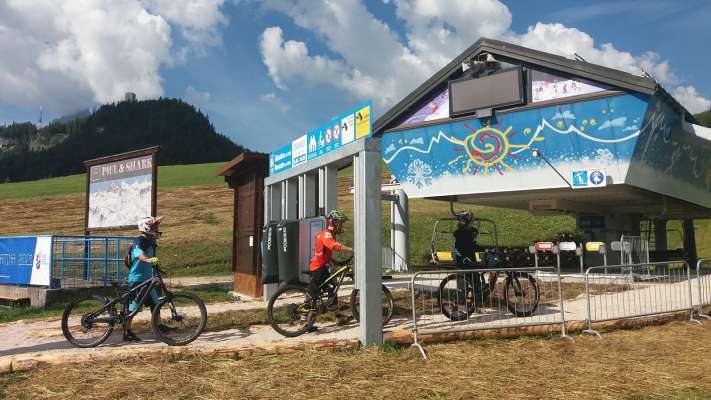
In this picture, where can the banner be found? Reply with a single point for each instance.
(346, 128)
(25, 260)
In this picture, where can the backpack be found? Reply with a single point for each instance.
(128, 260)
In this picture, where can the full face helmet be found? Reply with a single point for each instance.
(336, 219)
(149, 226)
(465, 217)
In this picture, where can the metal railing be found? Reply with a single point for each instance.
(470, 299)
(703, 284)
(637, 290)
(87, 261)
(634, 250)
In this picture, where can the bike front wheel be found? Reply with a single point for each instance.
(87, 322)
(290, 311)
(387, 300)
(522, 294)
(178, 327)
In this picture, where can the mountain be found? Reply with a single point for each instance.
(704, 118)
(184, 134)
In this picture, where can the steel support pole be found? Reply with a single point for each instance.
(660, 234)
(400, 232)
(290, 199)
(368, 271)
(273, 203)
(689, 241)
(307, 195)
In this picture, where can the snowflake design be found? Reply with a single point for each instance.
(419, 174)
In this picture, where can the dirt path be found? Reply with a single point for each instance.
(45, 338)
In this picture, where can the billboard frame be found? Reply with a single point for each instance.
(149, 151)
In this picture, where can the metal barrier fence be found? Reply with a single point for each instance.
(466, 300)
(703, 283)
(634, 250)
(86, 261)
(637, 290)
(476, 299)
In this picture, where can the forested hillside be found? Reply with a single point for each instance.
(184, 134)
(704, 118)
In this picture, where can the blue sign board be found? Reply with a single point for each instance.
(25, 260)
(580, 178)
(280, 160)
(340, 131)
(589, 179)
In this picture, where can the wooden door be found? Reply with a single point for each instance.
(246, 260)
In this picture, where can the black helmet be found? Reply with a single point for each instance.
(465, 217)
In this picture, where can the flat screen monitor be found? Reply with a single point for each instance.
(503, 88)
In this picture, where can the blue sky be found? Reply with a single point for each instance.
(266, 72)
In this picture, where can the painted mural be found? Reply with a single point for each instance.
(481, 156)
(670, 159)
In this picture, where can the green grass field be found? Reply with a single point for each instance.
(168, 177)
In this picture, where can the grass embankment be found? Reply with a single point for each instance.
(168, 177)
(654, 362)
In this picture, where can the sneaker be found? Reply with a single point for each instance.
(165, 328)
(129, 336)
(342, 319)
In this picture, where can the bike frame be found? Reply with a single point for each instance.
(339, 275)
(144, 287)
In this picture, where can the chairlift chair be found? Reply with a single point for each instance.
(442, 232)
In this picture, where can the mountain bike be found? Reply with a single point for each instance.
(460, 293)
(292, 312)
(88, 321)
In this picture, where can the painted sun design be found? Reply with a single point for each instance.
(486, 148)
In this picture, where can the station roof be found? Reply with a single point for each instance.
(523, 55)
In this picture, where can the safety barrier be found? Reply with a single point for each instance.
(472, 299)
(460, 300)
(637, 290)
(86, 261)
(703, 283)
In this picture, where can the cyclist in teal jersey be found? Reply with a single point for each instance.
(143, 258)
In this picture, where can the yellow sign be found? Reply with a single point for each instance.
(594, 246)
(362, 118)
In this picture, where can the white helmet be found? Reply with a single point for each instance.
(149, 226)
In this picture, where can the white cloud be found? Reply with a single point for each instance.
(691, 99)
(199, 20)
(71, 54)
(196, 97)
(276, 101)
(619, 121)
(286, 60)
(567, 114)
(373, 62)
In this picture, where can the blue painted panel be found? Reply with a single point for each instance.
(670, 160)
(25, 260)
(472, 156)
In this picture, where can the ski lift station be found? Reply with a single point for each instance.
(502, 126)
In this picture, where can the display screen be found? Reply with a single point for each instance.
(500, 89)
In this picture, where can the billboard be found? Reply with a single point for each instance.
(328, 137)
(121, 189)
(25, 260)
